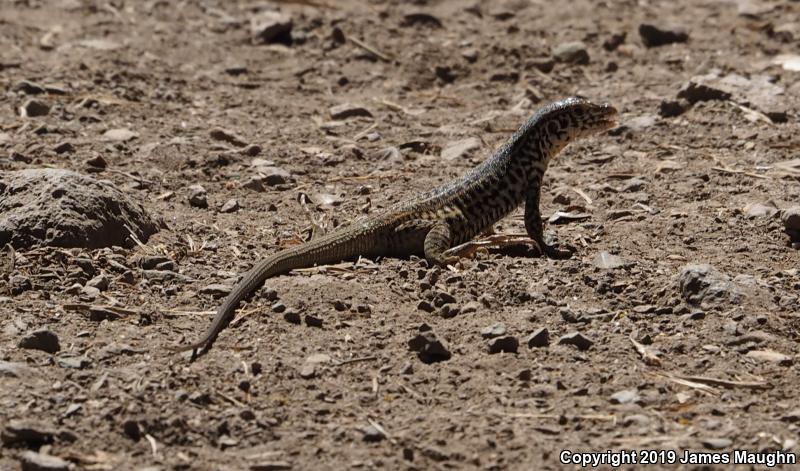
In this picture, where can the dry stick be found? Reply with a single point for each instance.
(647, 355)
(740, 172)
(369, 49)
(727, 383)
(355, 360)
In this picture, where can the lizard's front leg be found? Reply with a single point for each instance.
(533, 224)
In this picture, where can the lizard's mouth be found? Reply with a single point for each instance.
(606, 119)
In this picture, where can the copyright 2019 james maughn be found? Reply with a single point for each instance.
(616, 458)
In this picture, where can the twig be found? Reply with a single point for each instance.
(153, 444)
(647, 355)
(583, 195)
(740, 172)
(727, 383)
(355, 360)
(369, 49)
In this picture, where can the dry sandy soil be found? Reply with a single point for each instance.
(710, 364)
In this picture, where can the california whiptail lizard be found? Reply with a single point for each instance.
(446, 216)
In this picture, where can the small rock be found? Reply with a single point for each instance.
(614, 41)
(251, 150)
(633, 185)
(539, 338)
(10, 369)
(429, 348)
(459, 149)
(759, 210)
(28, 87)
(770, 356)
(273, 176)
(34, 108)
(372, 434)
(703, 285)
(425, 306)
(271, 27)
(470, 55)
(348, 110)
(308, 371)
(625, 396)
(278, 307)
(75, 363)
(33, 461)
(198, 197)
(791, 221)
(64, 148)
(470, 307)
(230, 206)
(119, 135)
(100, 282)
(42, 339)
(292, 316)
(577, 339)
(318, 358)
(224, 135)
(494, 330)
(31, 433)
(574, 52)
(672, 108)
(255, 183)
(216, 290)
(654, 36)
(508, 344)
(313, 321)
(607, 261)
(97, 162)
(716, 443)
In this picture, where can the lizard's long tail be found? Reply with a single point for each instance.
(330, 248)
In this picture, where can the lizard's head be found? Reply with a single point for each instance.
(554, 126)
(574, 118)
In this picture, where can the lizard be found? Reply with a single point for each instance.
(432, 222)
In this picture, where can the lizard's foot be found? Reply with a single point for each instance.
(557, 251)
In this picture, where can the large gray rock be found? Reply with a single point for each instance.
(61, 208)
(704, 285)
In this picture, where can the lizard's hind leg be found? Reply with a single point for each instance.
(438, 240)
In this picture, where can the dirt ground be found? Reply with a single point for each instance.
(682, 181)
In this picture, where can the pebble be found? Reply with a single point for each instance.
(702, 284)
(28, 87)
(230, 206)
(672, 108)
(470, 307)
(574, 52)
(41, 339)
(64, 148)
(216, 290)
(429, 348)
(10, 369)
(760, 210)
(224, 135)
(614, 41)
(654, 36)
(273, 176)
(625, 396)
(100, 282)
(372, 434)
(633, 185)
(34, 108)
(425, 306)
(607, 261)
(96, 162)
(270, 27)
(292, 316)
(577, 339)
(75, 363)
(539, 338)
(448, 311)
(31, 433)
(198, 197)
(349, 110)
(308, 371)
(770, 356)
(459, 149)
(494, 330)
(716, 443)
(507, 344)
(251, 150)
(33, 461)
(312, 321)
(278, 307)
(119, 135)
(791, 220)
(90, 292)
